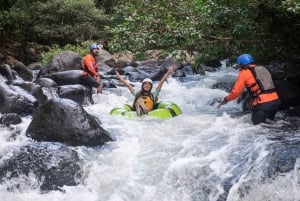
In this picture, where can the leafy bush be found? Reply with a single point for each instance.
(214, 29)
(56, 21)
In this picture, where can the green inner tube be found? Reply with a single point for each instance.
(163, 110)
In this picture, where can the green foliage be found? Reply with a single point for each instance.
(152, 24)
(281, 37)
(56, 21)
(4, 19)
(55, 49)
(107, 5)
(292, 6)
(190, 25)
(214, 29)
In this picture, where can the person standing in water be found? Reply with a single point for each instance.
(258, 81)
(145, 100)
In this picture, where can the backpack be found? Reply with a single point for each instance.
(263, 80)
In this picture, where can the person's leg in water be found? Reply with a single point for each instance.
(258, 116)
(89, 83)
(99, 85)
(99, 89)
(265, 110)
(273, 108)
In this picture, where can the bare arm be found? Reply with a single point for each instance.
(125, 82)
(163, 79)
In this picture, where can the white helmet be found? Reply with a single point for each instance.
(147, 80)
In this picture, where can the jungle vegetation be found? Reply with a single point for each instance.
(268, 29)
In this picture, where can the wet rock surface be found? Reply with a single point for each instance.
(45, 166)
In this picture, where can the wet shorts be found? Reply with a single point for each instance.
(263, 111)
(89, 81)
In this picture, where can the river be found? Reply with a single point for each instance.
(204, 154)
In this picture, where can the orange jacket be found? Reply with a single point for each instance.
(90, 65)
(246, 79)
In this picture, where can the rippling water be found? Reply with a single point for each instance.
(205, 154)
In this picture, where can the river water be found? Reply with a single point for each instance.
(205, 154)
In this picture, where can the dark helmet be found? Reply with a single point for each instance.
(94, 46)
(244, 59)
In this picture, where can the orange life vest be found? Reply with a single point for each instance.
(248, 80)
(90, 65)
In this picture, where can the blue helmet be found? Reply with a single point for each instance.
(94, 46)
(244, 59)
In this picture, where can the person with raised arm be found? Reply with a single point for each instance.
(145, 100)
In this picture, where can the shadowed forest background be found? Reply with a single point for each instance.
(215, 29)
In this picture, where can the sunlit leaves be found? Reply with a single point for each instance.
(292, 6)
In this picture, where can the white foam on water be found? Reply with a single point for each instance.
(186, 158)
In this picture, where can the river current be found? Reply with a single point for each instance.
(204, 154)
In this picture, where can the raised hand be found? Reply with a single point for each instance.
(170, 70)
(118, 75)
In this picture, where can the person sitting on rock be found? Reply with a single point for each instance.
(91, 77)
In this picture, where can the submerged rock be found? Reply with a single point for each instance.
(14, 100)
(10, 118)
(45, 166)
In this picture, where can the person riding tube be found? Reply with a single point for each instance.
(145, 100)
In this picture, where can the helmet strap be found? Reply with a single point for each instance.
(243, 66)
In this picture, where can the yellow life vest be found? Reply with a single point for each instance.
(147, 102)
(144, 104)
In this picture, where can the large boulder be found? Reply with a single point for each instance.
(66, 77)
(48, 166)
(45, 82)
(288, 93)
(6, 72)
(10, 118)
(15, 100)
(225, 83)
(104, 56)
(66, 60)
(63, 120)
(76, 92)
(32, 88)
(23, 71)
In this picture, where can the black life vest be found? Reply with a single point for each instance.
(263, 84)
